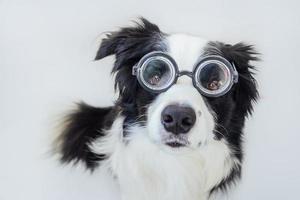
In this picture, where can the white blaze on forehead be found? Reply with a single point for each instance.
(185, 49)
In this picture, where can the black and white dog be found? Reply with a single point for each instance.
(175, 132)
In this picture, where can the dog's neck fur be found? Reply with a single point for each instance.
(146, 171)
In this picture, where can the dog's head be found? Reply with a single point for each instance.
(181, 115)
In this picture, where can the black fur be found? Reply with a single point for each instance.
(82, 126)
(129, 45)
(236, 105)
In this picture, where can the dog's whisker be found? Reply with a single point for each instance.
(223, 127)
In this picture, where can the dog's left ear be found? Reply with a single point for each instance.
(241, 55)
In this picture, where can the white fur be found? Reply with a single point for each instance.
(186, 95)
(185, 50)
(145, 167)
(149, 171)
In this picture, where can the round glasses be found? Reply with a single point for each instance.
(212, 76)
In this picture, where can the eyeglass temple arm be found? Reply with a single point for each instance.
(235, 73)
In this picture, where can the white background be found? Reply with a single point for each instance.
(46, 53)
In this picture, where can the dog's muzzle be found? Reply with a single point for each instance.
(177, 120)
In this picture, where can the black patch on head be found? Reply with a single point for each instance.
(240, 54)
(82, 127)
(129, 45)
(232, 108)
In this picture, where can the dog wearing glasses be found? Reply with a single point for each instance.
(175, 131)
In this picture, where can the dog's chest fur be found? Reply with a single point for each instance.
(146, 171)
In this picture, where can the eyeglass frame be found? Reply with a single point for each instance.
(200, 64)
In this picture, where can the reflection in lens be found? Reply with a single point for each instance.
(213, 76)
(157, 73)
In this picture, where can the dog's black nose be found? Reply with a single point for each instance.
(178, 119)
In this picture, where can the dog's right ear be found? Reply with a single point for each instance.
(108, 45)
(126, 38)
(129, 45)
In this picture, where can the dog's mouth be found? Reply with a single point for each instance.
(176, 142)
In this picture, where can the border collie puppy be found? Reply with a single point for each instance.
(175, 131)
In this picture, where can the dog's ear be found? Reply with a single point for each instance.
(126, 38)
(241, 55)
(246, 92)
(129, 45)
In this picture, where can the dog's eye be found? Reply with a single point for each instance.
(212, 77)
(154, 80)
(156, 72)
(214, 85)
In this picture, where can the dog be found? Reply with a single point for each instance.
(176, 130)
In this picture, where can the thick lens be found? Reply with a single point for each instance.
(157, 73)
(213, 76)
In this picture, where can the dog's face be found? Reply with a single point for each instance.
(180, 116)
